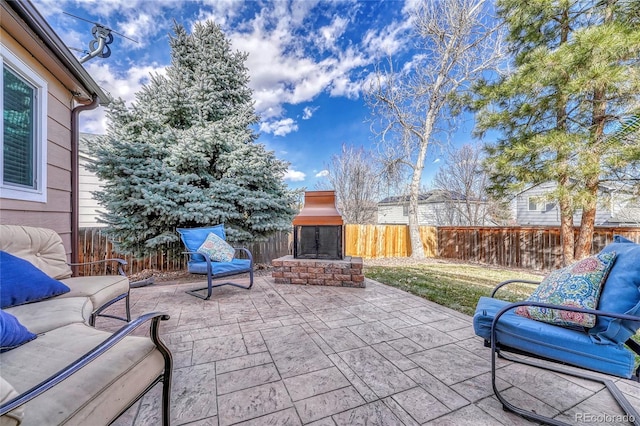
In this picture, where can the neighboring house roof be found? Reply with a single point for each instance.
(434, 196)
(34, 20)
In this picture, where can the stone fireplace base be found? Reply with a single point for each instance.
(341, 273)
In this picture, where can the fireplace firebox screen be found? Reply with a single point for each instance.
(317, 242)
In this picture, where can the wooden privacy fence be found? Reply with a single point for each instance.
(373, 241)
(94, 245)
(367, 241)
(536, 248)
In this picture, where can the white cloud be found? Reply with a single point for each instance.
(283, 64)
(386, 41)
(118, 85)
(142, 27)
(290, 59)
(122, 85)
(141, 20)
(280, 127)
(329, 34)
(222, 11)
(410, 6)
(416, 62)
(344, 87)
(307, 112)
(294, 175)
(322, 173)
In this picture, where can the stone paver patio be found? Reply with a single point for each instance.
(288, 355)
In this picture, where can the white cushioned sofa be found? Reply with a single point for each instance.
(44, 249)
(70, 372)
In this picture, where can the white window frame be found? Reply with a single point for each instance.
(541, 206)
(8, 191)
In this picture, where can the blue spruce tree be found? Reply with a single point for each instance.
(185, 154)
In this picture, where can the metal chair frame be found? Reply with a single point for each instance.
(211, 276)
(498, 350)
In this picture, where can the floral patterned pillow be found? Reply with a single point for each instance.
(576, 285)
(216, 248)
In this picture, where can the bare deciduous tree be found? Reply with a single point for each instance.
(464, 181)
(353, 174)
(456, 42)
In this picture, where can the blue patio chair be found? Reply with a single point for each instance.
(200, 262)
(606, 347)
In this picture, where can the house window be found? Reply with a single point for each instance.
(23, 128)
(405, 210)
(535, 204)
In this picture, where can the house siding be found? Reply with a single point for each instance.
(625, 210)
(89, 207)
(429, 214)
(607, 212)
(391, 214)
(56, 212)
(524, 216)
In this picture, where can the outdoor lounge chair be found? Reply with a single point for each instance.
(205, 251)
(600, 348)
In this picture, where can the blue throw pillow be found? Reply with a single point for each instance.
(620, 294)
(194, 237)
(12, 333)
(21, 282)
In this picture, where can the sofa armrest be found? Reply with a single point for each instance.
(90, 356)
(121, 263)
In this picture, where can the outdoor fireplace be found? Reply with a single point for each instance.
(318, 248)
(317, 229)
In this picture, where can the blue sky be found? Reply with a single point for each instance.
(309, 62)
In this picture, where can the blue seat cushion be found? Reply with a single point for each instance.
(566, 345)
(620, 294)
(236, 266)
(194, 237)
